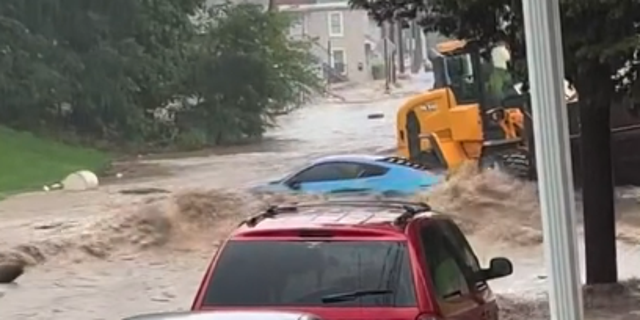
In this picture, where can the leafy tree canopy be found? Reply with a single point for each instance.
(246, 60)
(599, 36)
(129, 71)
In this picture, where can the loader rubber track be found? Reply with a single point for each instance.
(516, 163)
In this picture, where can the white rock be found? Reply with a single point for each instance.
(80, 180)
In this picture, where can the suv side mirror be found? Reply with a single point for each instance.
(498, 268)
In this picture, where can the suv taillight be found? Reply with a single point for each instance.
(427, 317)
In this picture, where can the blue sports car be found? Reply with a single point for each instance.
(348, 174)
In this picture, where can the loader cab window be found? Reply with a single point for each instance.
(497, 71)
(491, 81)
(463, 81)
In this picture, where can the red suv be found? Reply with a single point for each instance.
(383, 260)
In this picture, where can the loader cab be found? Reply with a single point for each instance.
(475, 75)
(478, 108)
(457, 71)
(478, 76)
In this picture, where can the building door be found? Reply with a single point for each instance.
(339, 61)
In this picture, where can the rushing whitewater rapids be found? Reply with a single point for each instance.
(105, 255)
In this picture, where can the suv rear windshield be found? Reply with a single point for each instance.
(309, 273)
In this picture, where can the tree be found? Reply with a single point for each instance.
(89, 68)
(600, 52)
(148, 72)
(244, 71)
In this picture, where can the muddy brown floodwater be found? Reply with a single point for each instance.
(105, 255)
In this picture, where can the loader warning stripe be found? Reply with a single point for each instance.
(404, 162)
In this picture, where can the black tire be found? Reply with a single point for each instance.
(516, 163)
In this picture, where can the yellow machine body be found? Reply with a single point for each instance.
(457, 129)
(433, 124)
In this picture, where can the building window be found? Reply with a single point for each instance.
(336, 24)
(339, 60)
(297, 25)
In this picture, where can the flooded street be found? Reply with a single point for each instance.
(105, 255)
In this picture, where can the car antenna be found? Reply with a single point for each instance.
(270, 212)
(410, 211)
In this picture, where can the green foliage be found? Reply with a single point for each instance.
(244, 71)
(28, 162)
(104, 70)
(600, 37)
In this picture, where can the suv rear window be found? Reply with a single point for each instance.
(302, 273)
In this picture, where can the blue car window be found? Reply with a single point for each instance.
(323, 172)
(333, 171)
(371, 171)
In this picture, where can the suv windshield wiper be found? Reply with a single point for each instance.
(348, 296)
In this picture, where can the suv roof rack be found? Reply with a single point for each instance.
(411, 209)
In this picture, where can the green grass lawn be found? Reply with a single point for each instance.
(28, 162)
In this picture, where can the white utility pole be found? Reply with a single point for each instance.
(385, 49)
(553, 157)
